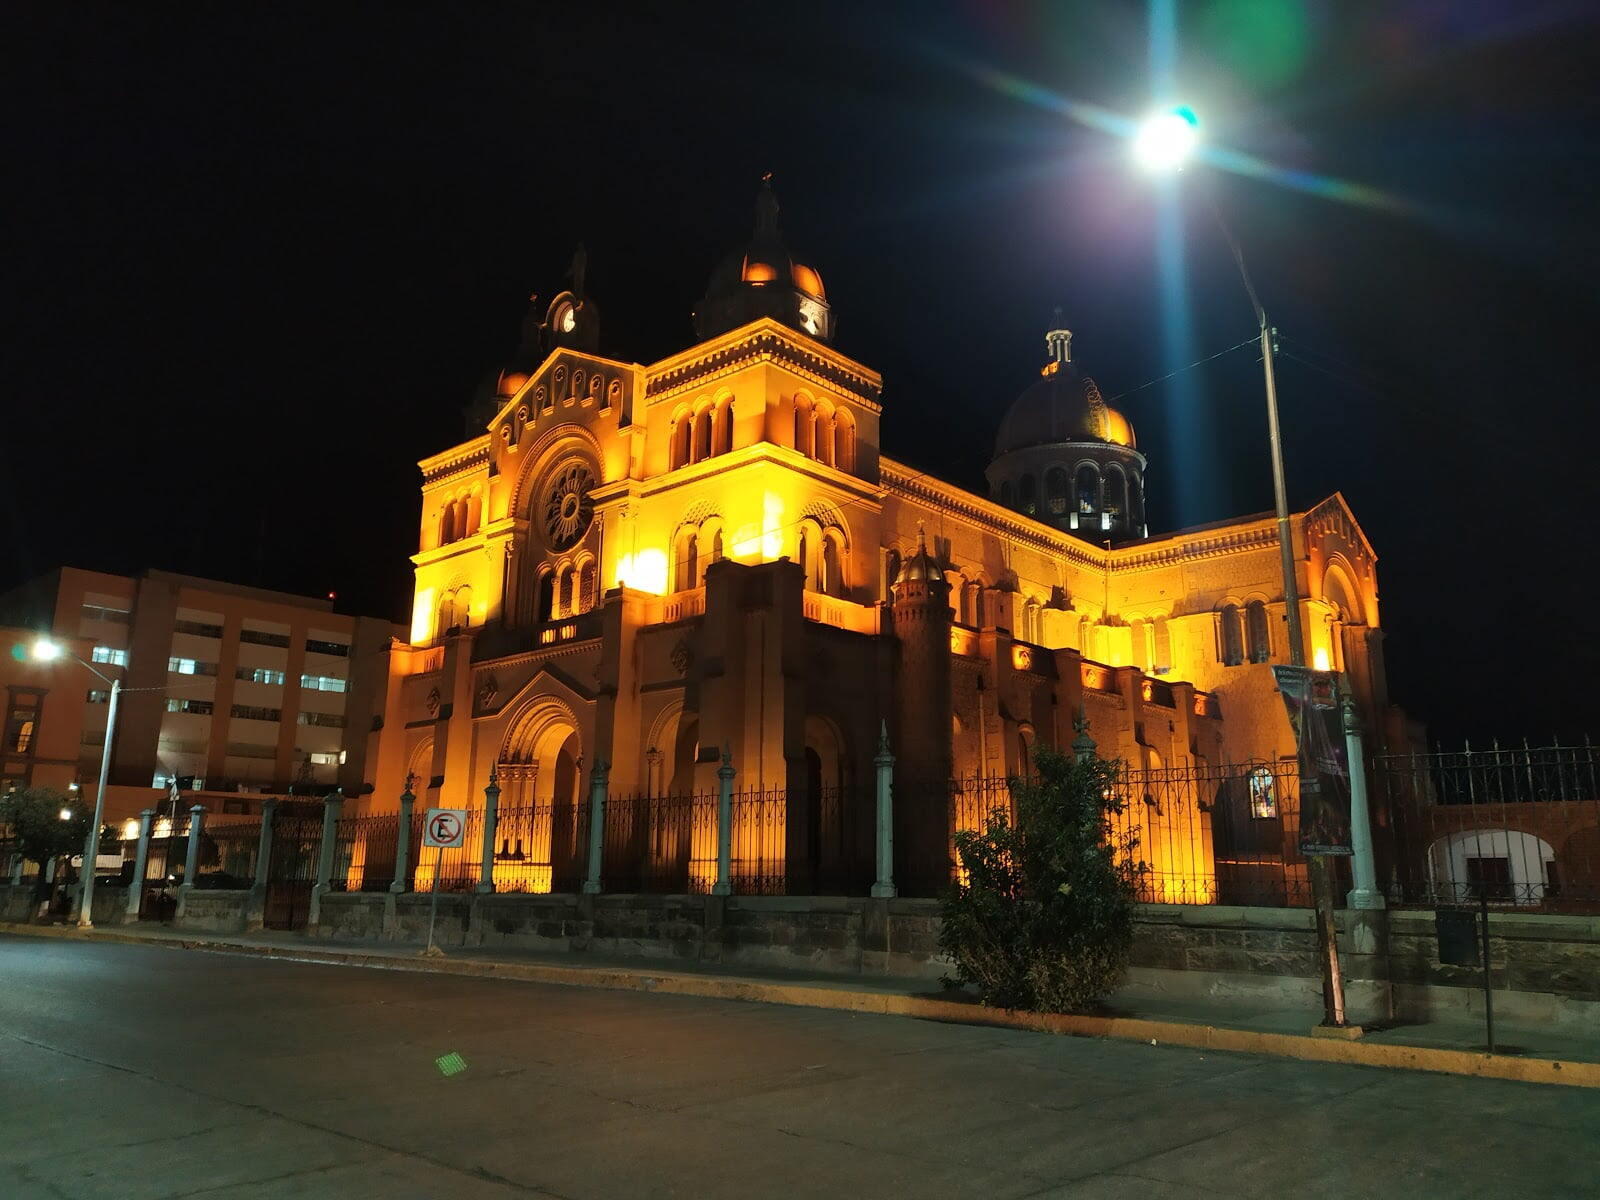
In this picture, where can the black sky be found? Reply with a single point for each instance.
(258, 257)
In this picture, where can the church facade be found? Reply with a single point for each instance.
(669, 567)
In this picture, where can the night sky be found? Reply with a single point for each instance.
(259, 256)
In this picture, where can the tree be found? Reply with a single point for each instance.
(33, 815)
(1043, 918)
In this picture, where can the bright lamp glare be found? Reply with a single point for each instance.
(1165, 140)
(65, 814)
(46, 651)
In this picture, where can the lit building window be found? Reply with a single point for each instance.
(1263, 795)
(322, 683)
(109, 654)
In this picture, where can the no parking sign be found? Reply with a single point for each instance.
(445, 828)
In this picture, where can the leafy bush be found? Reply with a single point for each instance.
(1044, 917)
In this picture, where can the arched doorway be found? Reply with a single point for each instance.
(540, 840)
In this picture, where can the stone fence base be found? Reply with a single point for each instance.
(1544, 969)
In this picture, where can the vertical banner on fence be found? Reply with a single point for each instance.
(1312, 699)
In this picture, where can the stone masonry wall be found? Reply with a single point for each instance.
(1545, 968)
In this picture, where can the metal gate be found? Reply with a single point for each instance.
(292, 867)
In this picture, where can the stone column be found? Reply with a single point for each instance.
(402, 841)
(141, 860)
(491, 820)
(332, 806)
(883, 887)
(1363, 868)
(255, 906)
(725, 773)
(597, 826)
(191, 858)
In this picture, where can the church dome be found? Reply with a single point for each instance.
(764, 279)
(1063, 405)
(1065, 457)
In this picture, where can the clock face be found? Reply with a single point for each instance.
(566, 318)
(568, 508)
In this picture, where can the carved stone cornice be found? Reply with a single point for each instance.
(918, 487)
(766, 340)
(459, 460)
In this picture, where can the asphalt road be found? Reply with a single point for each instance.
(129, 1072)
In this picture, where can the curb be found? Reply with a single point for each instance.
(1307, 1047)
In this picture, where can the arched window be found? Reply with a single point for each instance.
(824, 438)
(1163, 648)
(802, 427)
(725, 427)
(464, 606)
(1028, 494)
(1116, 502)
(588, 590)
(813, 556)
(1055, 491)
(474, 513)
(447, 530)
(1030, 621)
(1258, 633)
(564, 591)
(682, 432)
(1088, 488)
(832, 566)
(716, 546)
(547, 596)
(447, 613)
(1230, 636)
(844, 441)
(686, 568)
(1005, 492)
(702, 435)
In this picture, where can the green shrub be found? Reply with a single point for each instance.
(1044, 918)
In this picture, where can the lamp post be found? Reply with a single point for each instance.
(1163, 143)
(47, 651)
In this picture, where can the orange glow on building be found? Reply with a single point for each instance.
(651, 565)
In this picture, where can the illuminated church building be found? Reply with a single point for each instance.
(654, 565)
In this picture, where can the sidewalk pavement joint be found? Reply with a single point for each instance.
(864, 995)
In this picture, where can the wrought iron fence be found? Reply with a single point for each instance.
(228, 848)
(660, 843)
(365, 851)
(1201, 833)
(541, 848)
(1520, 825)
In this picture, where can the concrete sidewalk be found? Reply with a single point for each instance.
(1450, 1043)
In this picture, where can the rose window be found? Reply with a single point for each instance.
(568, 508)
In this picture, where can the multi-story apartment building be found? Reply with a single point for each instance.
(226, 689)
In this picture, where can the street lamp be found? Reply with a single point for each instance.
(44, 650)
(1164, 142)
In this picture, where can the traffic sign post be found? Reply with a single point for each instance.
(444, 828)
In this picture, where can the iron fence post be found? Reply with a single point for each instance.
(1363, 869)
(491, 825)
(883, 887)
(332, 803)
(402, 841)
(597, 821)
(141, 860)
(725, 773)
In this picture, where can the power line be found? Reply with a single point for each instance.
(1197, 363)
